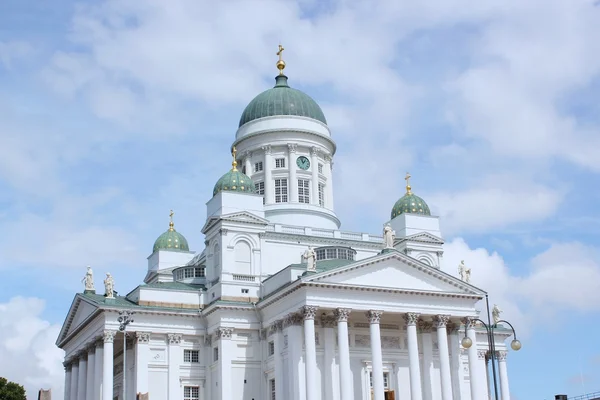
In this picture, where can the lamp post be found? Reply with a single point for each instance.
(124, 320)
(515, 344)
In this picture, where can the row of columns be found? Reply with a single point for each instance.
(449, 385)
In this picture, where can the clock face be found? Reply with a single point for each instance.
(303, 162)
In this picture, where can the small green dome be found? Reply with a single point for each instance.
(234, 181)
(410, 203)
(282, 100)
(171, 240)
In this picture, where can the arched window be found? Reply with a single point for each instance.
(242, 258)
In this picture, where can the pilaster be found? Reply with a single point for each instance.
(292, 168)
(175, 356)
(108, 365)
(90, 376)
(223, 335)
(309, 313)
(292, 325)
(142, 358)
(425, 328)
(314, 161)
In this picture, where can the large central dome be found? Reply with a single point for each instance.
(282, 100)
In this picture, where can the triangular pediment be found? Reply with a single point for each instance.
(395, 271)
(424, 237)
(238, 217)
(80, 312)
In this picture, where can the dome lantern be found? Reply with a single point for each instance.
(410, 203)
(171, 240)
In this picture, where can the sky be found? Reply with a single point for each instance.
(114, 112)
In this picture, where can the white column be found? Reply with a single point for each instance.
(456, 370)
(329, 377)
(67, 380)
(503, 371)
(413, 356)
(346, 387)
(328, 172)
(107, 365)
(98, 370)
(376, 357)
(276, 330)
(74, 378)
(208, 361)
(297, 386)
(91, 365)
(248, 163)
(224, 335)
(314, 164)
(293, 179)
(310, 349)
(484, 375)
(441, 322)
(487, 375)
(142, 357)
(175, 361)
(475, 379)
(428, 370)
(82, 376)
(269, 184)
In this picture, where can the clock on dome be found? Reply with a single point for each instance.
(303, 163)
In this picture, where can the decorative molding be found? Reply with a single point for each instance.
(275, 327)
(292, 319)
(143, 337)
(109, 336)
(452, 328)
(390, 342)
(314, 151)
(174, 338)
(285, 341)
(501, 355)
(389, 326)
(224, 333)
(342, 314)
(439, 253)
(267, 149)
(309, 312)
(482, 354)
(362, 340)
(424, 326)
(411, 318)
(247, 154)
(327, 158)
(469, 322)
(223, 231)
(374, 316)
(292, 147)
(328, 321)
(441, 321)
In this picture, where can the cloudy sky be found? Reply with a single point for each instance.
(114, 112)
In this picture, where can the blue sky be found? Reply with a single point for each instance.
(112, 113)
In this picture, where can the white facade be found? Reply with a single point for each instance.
(245, 320)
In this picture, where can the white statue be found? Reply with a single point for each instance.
(89, 279)
(109, 286)
(388, 237)
(311, 259)
(464, 272)
(496, 311)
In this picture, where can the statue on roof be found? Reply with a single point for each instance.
(311, 259)
(88, 279)
(388, 237)
(496, 311)
(464, 272)
(109, 286)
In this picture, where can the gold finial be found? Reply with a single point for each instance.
(280, 64)
(407, 179)
(171, 224)
(234, 162)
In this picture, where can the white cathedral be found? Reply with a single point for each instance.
(281, 303)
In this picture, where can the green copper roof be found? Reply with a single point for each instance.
(171, 239)
(282, 100)
(410, 204)
(234, 181)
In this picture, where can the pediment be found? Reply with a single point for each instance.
(423, 237)
(239, 217)
(395, 271)
(81, 310)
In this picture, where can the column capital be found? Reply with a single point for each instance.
(314, 151)
(309, 312)
(411, 318)
(292, 319)
(452, 327)
(223, 333)
(374, 316)
(174, 338)
(328, 158)
(481, 354)
(267, 149)
(328, 321)
(342, 314)
(109, 336)
(441, 321)
(275, 327)
(143, 337)
(247, 154)
(292, 147)
(469, 322)
(501, 355)
(424, 326)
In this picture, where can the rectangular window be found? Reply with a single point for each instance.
(320, 168)
(321, 195)
(200, 272)
(303, 192)
(271, 348)
(272, 387)
(260, 189)
(281, 191)
(280, 163)
(244, 169)
(331, 254)
(386, 379)
(191, 393)
(191, 356)
(321, 254)
(189, 273)
(258, 166)
(216, 354)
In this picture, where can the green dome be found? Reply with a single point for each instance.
(171, 240)
(282, 100)
(410, 203)
(234, 181)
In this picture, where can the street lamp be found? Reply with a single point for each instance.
(124, 320)
(515, 344)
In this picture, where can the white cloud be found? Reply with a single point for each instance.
(27, 350)
(11, 51)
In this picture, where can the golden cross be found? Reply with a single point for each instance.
(281, 49)
(171, 222)
(407, 179)
(234, 162)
